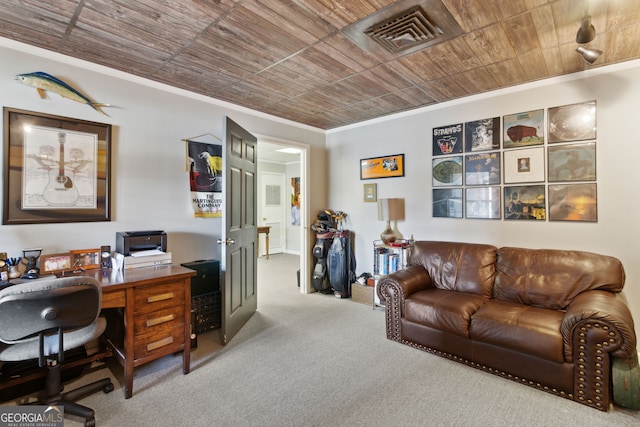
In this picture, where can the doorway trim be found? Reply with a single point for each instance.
(305, 277)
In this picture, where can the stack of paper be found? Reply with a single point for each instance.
(147, 258)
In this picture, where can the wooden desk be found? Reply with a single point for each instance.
(264, 230)
(154, 316)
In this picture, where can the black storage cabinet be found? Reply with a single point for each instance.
(205, 295)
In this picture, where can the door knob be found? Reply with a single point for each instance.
(226, 242)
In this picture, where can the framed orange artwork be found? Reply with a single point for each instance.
(382, 167)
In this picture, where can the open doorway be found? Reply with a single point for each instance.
(282, 185)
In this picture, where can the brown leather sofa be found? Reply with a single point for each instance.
(550, 319)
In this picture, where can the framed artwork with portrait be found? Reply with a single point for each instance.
(524, 165)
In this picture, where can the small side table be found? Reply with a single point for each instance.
(264, 230)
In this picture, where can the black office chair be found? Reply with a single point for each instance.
(39, 318)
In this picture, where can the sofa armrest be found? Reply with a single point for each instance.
(596, 324)
(403, 283)
(394, 288)
(603, 319)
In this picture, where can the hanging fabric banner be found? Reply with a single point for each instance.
(205, 178)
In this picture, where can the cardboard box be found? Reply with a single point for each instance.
(362, 294)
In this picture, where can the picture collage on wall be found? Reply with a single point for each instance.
(529, 178)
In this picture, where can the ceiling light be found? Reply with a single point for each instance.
(289, 150)
(589, 55)
(587, 31)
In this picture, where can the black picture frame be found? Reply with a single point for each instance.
(523, 129)
(56, 169)
(526, 202)
(446, 171)
(572, 162)
(447, 139)
(482, 203)
(523, 165)
(573, 202)
(575, 122)
(447, 203)
(482, 135)
(482, 168)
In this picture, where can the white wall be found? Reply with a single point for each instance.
(616, 233)
(150, 188)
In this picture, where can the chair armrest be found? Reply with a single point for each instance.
(599, 318)
(394, 288)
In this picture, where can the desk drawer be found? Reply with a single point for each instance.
(113, 299)
(158, 297)
(157, 321)
(164, 341)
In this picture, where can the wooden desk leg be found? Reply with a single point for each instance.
(186, 354)
(258, 245)
(267, 243)
(128, 345)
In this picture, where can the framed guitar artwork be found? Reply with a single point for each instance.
(56, 169)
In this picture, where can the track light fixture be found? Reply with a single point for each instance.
(589, 55)
(587, 31)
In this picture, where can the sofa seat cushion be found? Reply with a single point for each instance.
(448, 311)
(519, 327)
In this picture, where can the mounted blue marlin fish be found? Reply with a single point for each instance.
(44, 82)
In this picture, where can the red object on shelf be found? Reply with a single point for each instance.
(399, 244)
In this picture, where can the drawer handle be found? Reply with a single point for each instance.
(160, 343)
(158, 320)
(160, 297)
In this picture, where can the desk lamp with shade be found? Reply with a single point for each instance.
(390, 210)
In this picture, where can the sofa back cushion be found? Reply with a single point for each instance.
(462, 267)
(552, 278)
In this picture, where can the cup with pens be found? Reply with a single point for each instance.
(12, 264)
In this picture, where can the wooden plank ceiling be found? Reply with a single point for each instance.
(298, 59)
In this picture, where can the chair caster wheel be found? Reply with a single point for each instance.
(90, 423)
(108, 388)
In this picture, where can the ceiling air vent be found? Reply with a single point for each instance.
(405, 31)
(403, 27)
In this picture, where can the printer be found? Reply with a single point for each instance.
(134, 241)
(143, 248)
